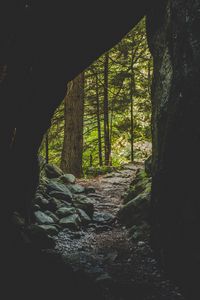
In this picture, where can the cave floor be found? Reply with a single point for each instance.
(121, 268)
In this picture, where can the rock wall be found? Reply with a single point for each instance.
(174, 40)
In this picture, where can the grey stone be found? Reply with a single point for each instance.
(103, 217)
(68, 178)
(65, 211)
(42, 218)
(61, 196)
(71, 222)
(59, 190)
(52, 171)
(85, 219)
(85, 203)
(52, 215)
(54, 185)
(42, 202)
(136, 210)
(76, 188)
(56, 204)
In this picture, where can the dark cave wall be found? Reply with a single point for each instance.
(174, 40)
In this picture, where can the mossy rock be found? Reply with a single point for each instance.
(52, 171)
(141, 184)
(84, 203)
(136, 210)
(67, 178)
(72, 222)
(65, 211)
(131, 194)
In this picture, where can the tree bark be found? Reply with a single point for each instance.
(106, 112)
(71, 160)
(132, 90)
(98, 122)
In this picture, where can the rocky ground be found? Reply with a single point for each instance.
(96, 244)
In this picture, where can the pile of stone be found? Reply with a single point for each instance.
(62, 203)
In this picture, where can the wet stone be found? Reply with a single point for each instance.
(65, 211)
(71, 222)
(103, 217)
(42, 218)
(76, 188)
(68, 178)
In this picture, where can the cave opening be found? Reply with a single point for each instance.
(92, 167)
(35, 66)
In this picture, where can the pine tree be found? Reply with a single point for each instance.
(71, 160)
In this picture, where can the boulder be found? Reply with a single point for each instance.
(85, 219)
(42, 202)
(52, 215)
(56, 204)
(59, 191)
(76, 188)
(141, 183)
(72, 222)
(61, 196)
(52, 171)
(136, 210)
(65, 211)
(84, 203)
(68, 178)
(103, 218)
(42, 218)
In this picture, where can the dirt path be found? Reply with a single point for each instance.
(103, 250)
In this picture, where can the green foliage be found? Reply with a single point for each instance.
(132, 49)
(130, 63)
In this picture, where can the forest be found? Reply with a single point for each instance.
(99, 153)
(105, 118)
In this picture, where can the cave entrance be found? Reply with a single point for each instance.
(104, 120)
(92, 165)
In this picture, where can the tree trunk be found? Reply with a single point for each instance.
(98, 122)
(132, 121)
(173, 33)
(132, 90)
(106, 112)
(71, 160)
